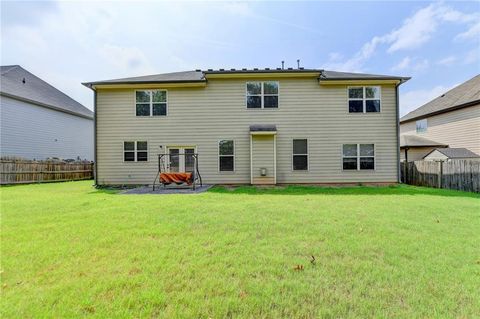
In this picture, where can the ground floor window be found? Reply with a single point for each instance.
(135, 151)
(358, 156)
(226, 156)
(300, 155)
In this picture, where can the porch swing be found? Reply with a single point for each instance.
(178, 180)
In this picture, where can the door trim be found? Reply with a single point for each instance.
(274, 156)
(181, 150)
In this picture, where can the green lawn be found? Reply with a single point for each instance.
(69, 250)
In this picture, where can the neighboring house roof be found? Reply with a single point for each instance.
(18, 83)
(466, 94)
(200, 76)
(455, 153)
(418, 141)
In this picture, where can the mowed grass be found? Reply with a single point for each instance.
(69, 250)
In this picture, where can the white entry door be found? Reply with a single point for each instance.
(181, 159)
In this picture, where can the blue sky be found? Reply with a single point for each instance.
(65, 43)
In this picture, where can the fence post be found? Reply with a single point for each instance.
(440, 174)
(405, 172)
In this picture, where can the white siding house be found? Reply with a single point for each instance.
(250, 126)
(37, 121)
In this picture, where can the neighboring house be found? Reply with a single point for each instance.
(452, 119)
(38, 121)
(250, 126)
(447, 154)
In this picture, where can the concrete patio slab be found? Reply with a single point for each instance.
(160, 190)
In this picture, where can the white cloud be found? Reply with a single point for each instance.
(411, 100)
(472, 56)
(414, 64)
(241, 8)
(447, 61)
(335, 56)
(415, 30)
(127, 60)
(404, 64)
(412, 34)
(472, 33)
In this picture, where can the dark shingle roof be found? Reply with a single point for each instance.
(334, 75)
(456, 153)
(417, 141)
(200, 76)
(18, 83)
(263, 128)
(467, 93)
(174, 77)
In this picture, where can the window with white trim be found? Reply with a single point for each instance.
(135, 151)
(151, 103)
(300, 155)
(358, 156)
(421, 126)
(262, 95)
(226, 156)
(364, 99)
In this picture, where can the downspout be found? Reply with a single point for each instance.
(398, 132)
(95, 138)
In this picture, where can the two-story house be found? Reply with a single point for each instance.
(451, 120)
(260, 126)
(38, 121)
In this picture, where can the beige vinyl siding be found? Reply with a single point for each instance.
(263, 157)
(459, 128)
(436, 156)
(203, 116)
(415, 153)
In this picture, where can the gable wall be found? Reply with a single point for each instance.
(36, 132)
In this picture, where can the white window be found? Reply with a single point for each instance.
(151, 103)
(300, 155)
(135, 151)
(226, 156)
(358, 156)
(364, 99)
(262, 95)
(421, 126)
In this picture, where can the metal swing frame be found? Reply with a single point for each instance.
(162, 158)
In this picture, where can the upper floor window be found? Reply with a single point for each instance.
(358, 156)
(364, 99)
(300, 155)
(135, 151)
(151, 103)
(421, 126)
(226, 156)
(262, 95)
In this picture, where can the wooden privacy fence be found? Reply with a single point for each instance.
(463, 175)
(26, 171)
